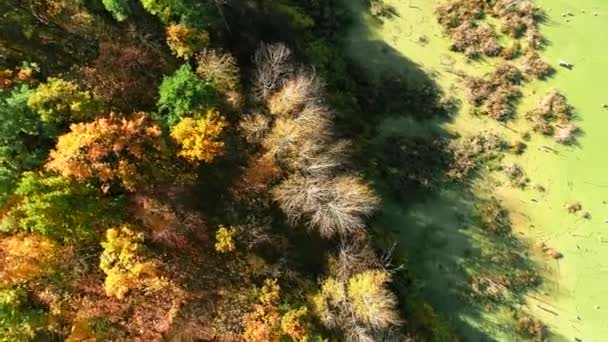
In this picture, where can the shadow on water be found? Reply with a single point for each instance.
(450, 262)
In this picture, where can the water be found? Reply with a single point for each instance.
(574, 300)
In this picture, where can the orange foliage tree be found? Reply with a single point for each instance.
(111, 149)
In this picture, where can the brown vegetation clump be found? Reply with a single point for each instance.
(257, 177)
(574, 207)
(493, 217)
(452, 14)
(497, 91)
(471, 152)
(516, 176)
(517, 18)
(534, 66)
(531, 328)
(550, 252)
(553, 115)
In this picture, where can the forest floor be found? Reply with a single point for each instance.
(434, 229)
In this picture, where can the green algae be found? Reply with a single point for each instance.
(436, 231)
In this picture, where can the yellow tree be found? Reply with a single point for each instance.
(199, 138)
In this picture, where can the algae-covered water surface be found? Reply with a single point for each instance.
(435, 230)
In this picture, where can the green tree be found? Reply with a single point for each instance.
(60, 208)
(59, 101)
(184, 93)
(24, 139)
(119, 8)
(18, 320)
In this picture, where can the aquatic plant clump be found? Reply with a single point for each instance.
(497, 91)
(553, 116)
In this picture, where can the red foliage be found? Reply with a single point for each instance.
(124, 76)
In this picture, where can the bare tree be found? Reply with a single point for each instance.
(272, 67)
(219, 68)
(333, 206)
(302, 89)
(254, 127)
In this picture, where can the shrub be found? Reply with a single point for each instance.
(493, 217)
(534, 66)
(19, 321)
(59, 101)
(183, 93)
(296, 325)
(264, 322)
(199, 138)
(124, 265)
(185, 41)
(111, 149)
(224, 239)
(531, 328)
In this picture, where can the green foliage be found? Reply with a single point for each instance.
(184, 93)
(60, 208)
(23, 138)
(59, 101)
(119, 8)
(18, 320)
(298, 18)
(195, 13)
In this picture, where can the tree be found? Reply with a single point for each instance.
(199, 139)
(272, 67)
(125, 76)
(61, 209)
(111, 149)
(58, 101)
(25, 257)
(334, 206)
(221, 69)
(185, 41)
(264, 322)
(19, 319)
(124, 264)
(183, 93)
(119, 8)
(224, 239)
(372, 303)
(296, 92)
(24, 138)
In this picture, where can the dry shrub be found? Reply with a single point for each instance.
(534, 66)
(491, 287)
(452, 14)
(254, 127)
(498, 91)
(297, 91)
(272, 67)
(163, 224)
(336, 206)
(550, 252)
(124, 76)
(531, 328)
(257, 177)
(553, 112)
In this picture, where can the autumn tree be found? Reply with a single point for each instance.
(124, 263)
(184, 93)
(334, 206)
(199, 138)
(219, 68)
(112, 149)
(185, 41)
(25, 257)
(125, 75)
(19, 318)
(360, 307)
(60, 208)
(58, 101)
